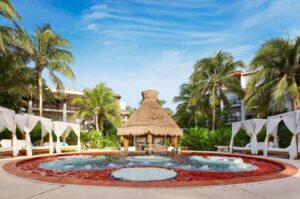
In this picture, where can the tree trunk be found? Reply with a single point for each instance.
(40, 91)
(97, 123)
(214, 117)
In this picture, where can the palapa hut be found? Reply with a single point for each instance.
(150, 126)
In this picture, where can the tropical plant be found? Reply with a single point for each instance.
(100, 104)
(8, 12)
(94, 140)
(276, 78)
(188, 114)
(50, 51)
(211, 77)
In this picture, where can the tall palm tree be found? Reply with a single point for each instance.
(50, 51)
(212, 76)
(277, 76)
(98, 103)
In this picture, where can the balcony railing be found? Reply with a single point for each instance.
(57, 106)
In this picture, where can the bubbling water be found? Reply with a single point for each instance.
(195, 163)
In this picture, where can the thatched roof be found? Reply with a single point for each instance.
(150, 117)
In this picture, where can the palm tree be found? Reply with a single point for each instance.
(211, 77)
(7, 34)
(8, 11)
(98, 103)
(276, 78)
(50, 51)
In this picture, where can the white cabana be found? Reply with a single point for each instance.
(292, 122)
(252, 127)
(60, 128)
(8, 121)
(26, 123)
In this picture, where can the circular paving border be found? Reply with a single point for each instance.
(26, 169)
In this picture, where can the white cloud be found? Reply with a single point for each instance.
(92, 26)
(278, 12)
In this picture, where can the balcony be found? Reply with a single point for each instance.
(58, 107)
(234, 101)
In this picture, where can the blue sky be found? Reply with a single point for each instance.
(133, 45)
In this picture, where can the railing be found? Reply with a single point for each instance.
(57, 106)
(235, 101)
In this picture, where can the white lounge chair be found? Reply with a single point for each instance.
(6, 149)
(131, 148)
(247, 148)
(65, 147)
(35, 149)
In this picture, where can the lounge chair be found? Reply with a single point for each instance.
(6, 149)
(35, 149)
(65, 147)
(247, 148)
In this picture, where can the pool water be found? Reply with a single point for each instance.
(192, 163)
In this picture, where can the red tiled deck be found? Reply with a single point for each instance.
(267, 170)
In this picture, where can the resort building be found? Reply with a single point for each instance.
(61, 108)
(150, 126)
(237, 111)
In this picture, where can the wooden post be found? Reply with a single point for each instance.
(174, 141)
(125, 142)
(150, 140)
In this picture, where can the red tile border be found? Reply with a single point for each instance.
(273, 170)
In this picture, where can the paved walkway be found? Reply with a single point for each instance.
(12, 187)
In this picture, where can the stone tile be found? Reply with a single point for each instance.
(75, 192)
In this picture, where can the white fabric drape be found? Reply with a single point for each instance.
(272, 126)
(60, 128)
(76, 129)
(290, 119)
(258, 125)
(8, 120)
(26, 123)
(47, 128)
(236, 126)
(252, 127)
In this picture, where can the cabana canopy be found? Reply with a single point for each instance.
(151, 118)
(252, 127)
(59, 128)
(292, 122)
(8, 120)
(26, 123)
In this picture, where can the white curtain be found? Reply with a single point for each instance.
(236, 126)
(8, 120)
(76, 129)
(258, 125)
(47, 128)
(252, 127)
(290, 119)
(59, 128)
(26, 123)
(272, 126)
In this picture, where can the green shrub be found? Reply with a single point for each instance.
(241, 138)
(198, 139)
(95, 140)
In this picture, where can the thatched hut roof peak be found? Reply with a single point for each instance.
(150, 95)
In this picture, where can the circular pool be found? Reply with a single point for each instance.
(159, 170)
